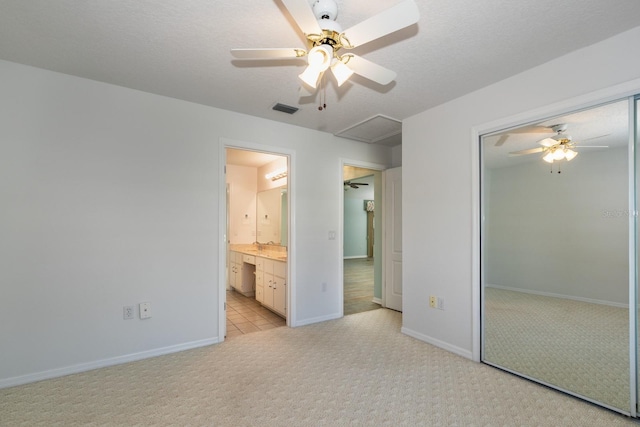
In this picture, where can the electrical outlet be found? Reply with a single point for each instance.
(433, 301)
(145, 310)
(128, 312)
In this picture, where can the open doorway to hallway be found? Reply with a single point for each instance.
(360, 242)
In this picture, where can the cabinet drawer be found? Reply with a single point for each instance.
(249, 259)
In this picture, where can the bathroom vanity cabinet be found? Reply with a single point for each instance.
(271, 284)
(242, 273)
(261, 275)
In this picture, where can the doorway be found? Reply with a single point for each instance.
(257, 241)
(360, 240)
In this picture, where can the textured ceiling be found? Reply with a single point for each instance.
(180, 49)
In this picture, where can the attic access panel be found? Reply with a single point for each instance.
(373, 130)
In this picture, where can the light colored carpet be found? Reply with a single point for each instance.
(358, 370)
(578, 346)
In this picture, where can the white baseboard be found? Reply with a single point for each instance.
(118, 360)
(551, 294)
(356, 257)
(316, 320)
(441, 344)
(377, 300)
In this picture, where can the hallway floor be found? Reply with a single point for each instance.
(358, 286)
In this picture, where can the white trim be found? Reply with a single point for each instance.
(441, 344)
(222, 243)
(318, 319)
(633, 265)
(118, 360)
(356, 257)
(377, 300)
(476, 252)
(561, 296)
(591, 99)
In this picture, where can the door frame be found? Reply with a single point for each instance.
(374, 167)
(222, 226)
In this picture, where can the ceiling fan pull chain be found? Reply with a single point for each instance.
(323, 94)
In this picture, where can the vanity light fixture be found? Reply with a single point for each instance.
(277, 174)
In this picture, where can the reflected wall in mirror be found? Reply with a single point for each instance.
(271, 213)
(555, 253)
(254, 216)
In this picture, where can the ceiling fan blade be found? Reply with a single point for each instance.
(393, 19)
(301, 12)
(529, 151)
(501, 140)
(370, 70)
(595, 137)
(268, 53)
(580, 147)
(548, 142)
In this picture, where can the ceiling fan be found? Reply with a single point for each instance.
(558, 147)
(354, 184)
(326, 41)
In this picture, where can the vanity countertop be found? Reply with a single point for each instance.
(277, 253)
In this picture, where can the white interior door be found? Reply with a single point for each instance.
(392, 187)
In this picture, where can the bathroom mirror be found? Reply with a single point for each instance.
(271, 216)
(555, 253)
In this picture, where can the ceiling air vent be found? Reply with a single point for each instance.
(285, 108)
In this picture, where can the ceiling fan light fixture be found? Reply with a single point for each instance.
(548, 157)
(310, 76)
(320, 57)
(341, 72)
(558, 154)
(570, 154)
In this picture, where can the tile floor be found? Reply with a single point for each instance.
(246, 315)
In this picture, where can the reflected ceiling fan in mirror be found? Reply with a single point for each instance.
(326, 41)
(526, 129)
(558, 147)
(351, 184)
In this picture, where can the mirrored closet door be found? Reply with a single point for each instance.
(557, 216)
